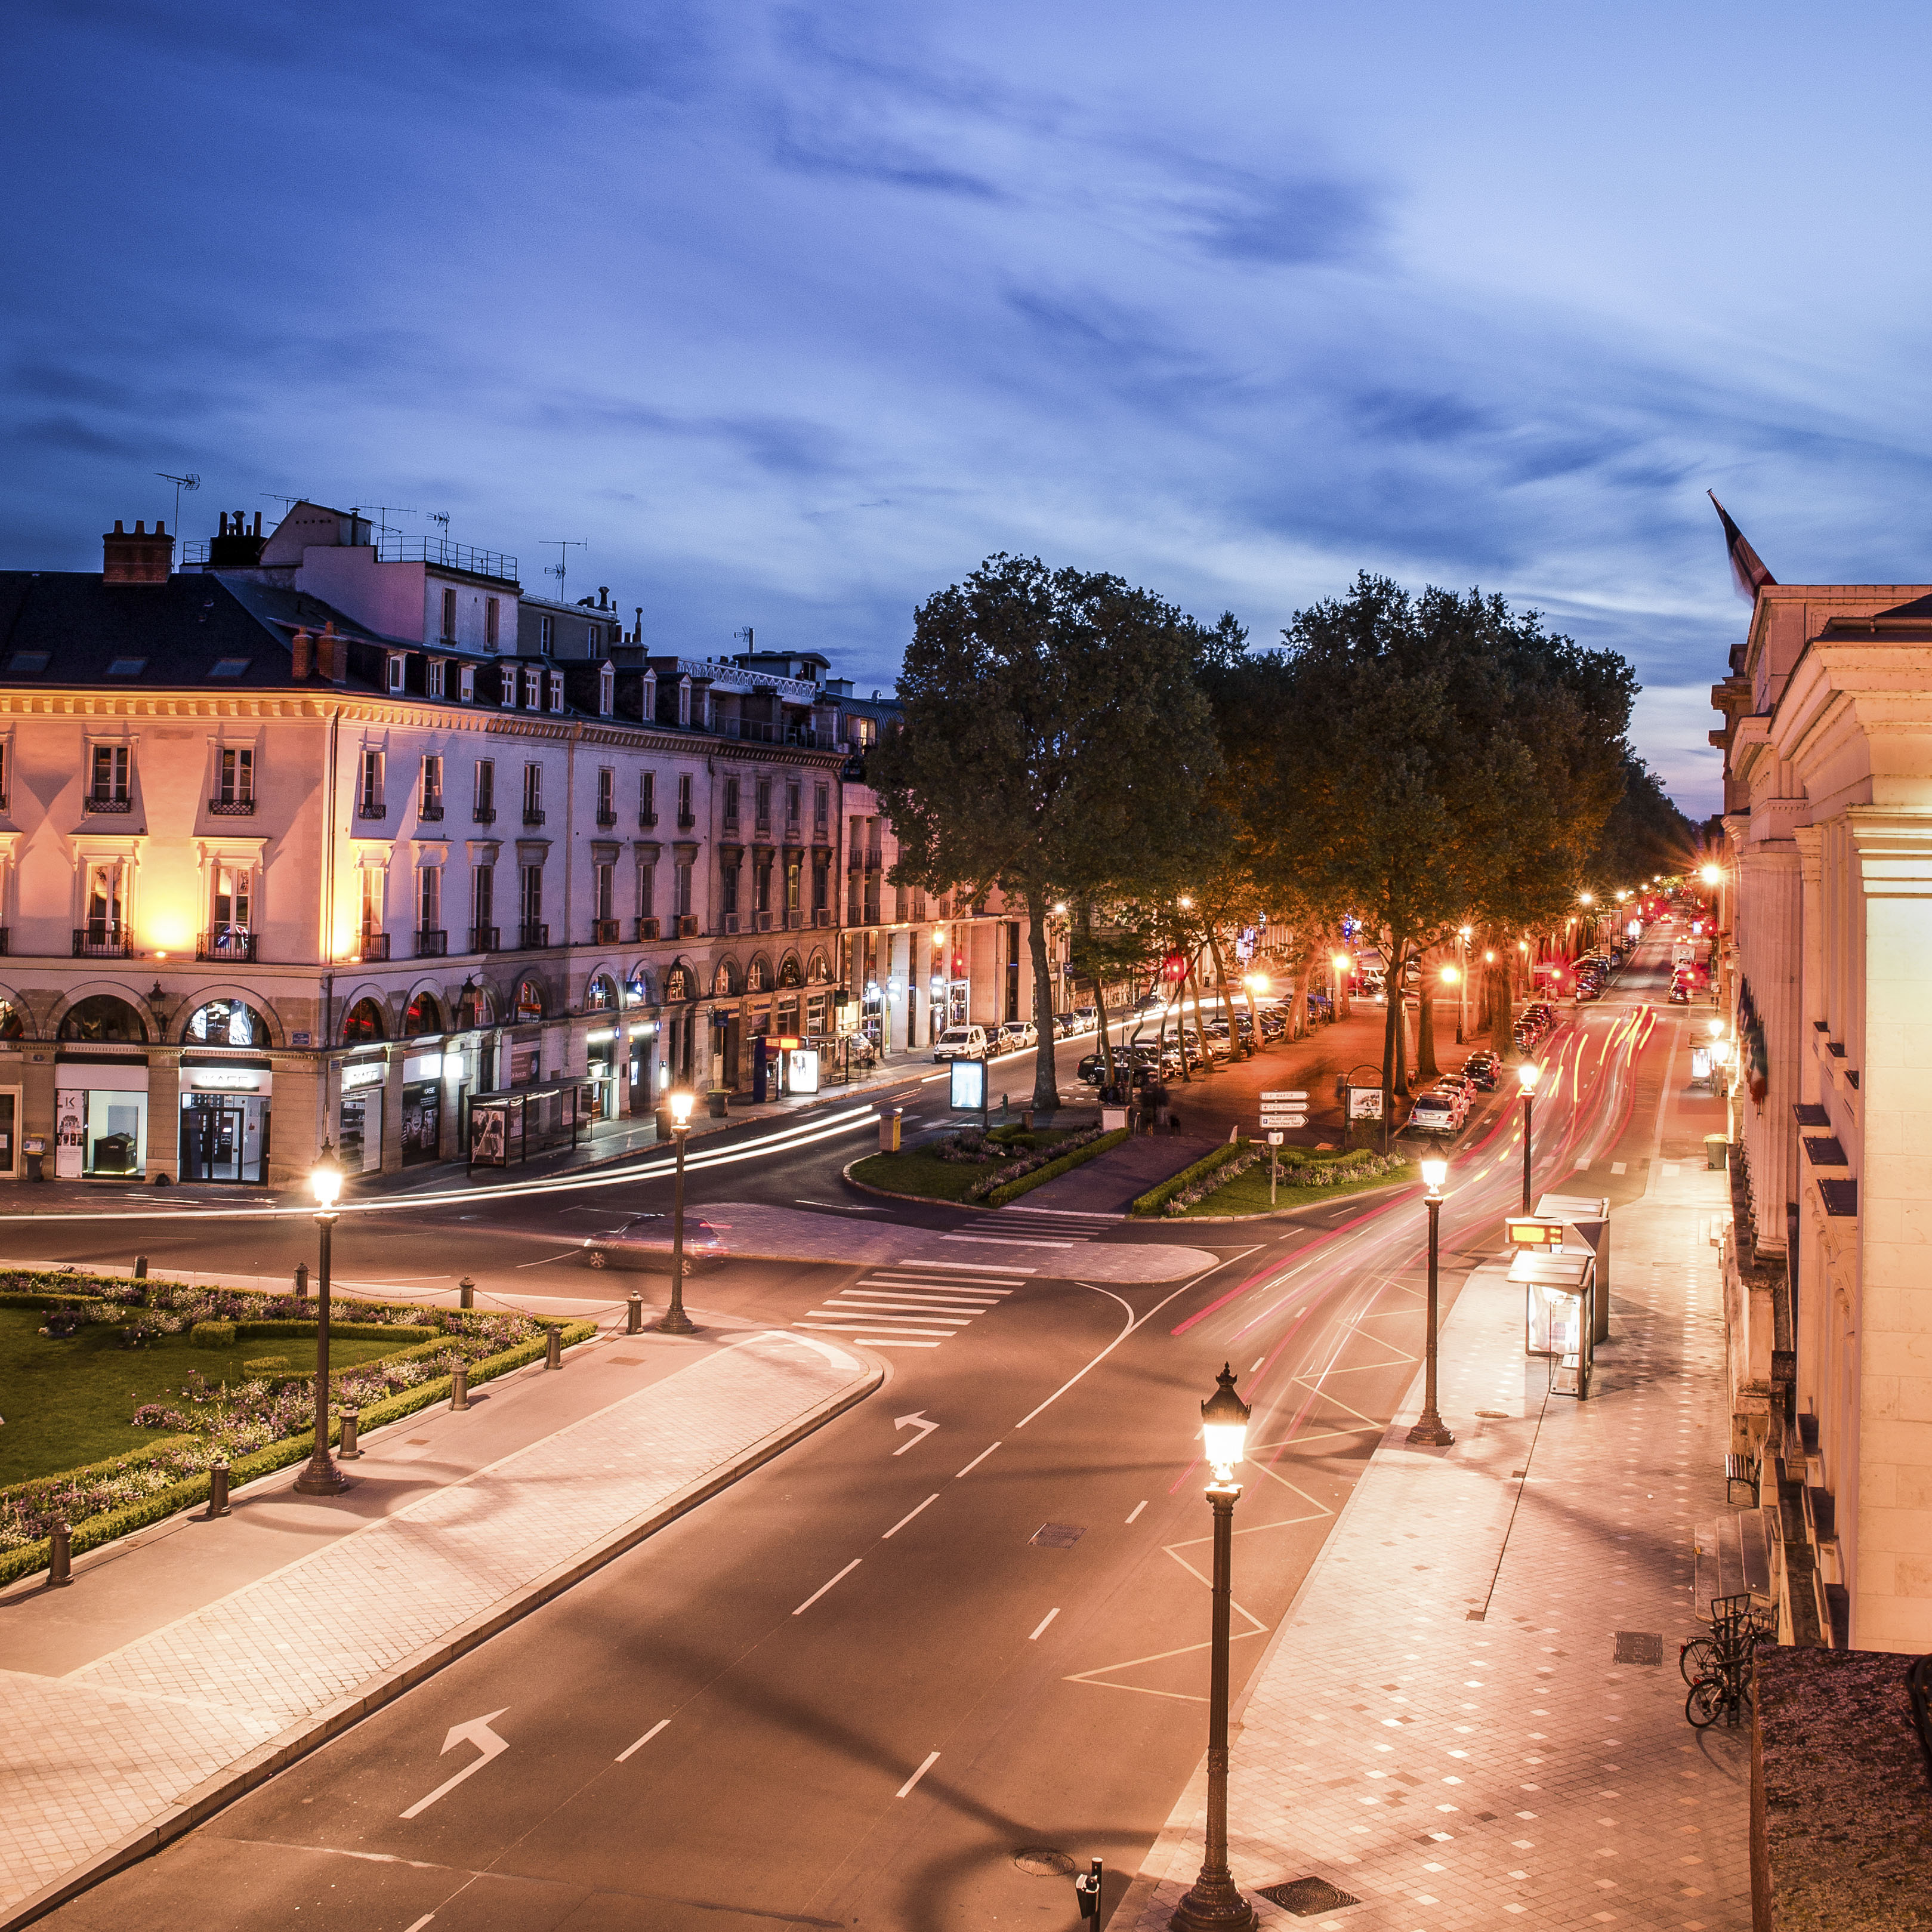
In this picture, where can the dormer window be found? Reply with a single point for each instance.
(509, 687)
(546, 633)
(684, 701)
(466, 684)
(532, 689)
(594, 639)
(556, 691)
(650, 698)
(449, 616)
(432, 676)
(395, 678)
(607, 691)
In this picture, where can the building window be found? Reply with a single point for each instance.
(492, 619)
(607, 691)
(647, 798)
(234, 896)
(729, 879)
(449, 616)
(236, 785)
(3, 775)
(794, 793)
(681, 886)
(372, 901)
(793, 870)
(370, 798)
(533, 794)
(556, 691)
(486, 790)
(104, 926)
(530, 904)
(109, 784)
(686, 816)
(731, 801)
(593, 639)
(509, 675)
(430, 804)
(606, 890)
(433, 678)
(546, 633)
(466, 684)
(533, 690)
(764, 872)
(764, 805)
(822, 807)
(429, 899)
(395, 671)
(647, 889)
(482, 902)
(684, 701)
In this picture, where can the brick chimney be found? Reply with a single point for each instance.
(139, 558)
(302, 646)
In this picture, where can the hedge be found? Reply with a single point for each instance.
(1155, 1198)
(279, 1369)
(92, 1531)
(1064, 1164)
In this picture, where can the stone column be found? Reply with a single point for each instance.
(1770, 950)
(392, 1108)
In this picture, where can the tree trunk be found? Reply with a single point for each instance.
(1227, 1003)
(1045, 1078)
(1391, 1050)
(1425, 1024)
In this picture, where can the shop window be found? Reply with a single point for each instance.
(476, 1009)
(103, 1019)
(680, 985)
(788, 972)
(422, 1015)
(11, 1027)
(601, 995)
(820, 970)
(725, 983)
(529, 1000)
(364, 1020)
(226, 1023)
(754, 976)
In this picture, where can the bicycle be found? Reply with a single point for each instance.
(1724, 1688)
(1701, 1656)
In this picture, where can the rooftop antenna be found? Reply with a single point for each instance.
(277, 496)
(744, 637)
(565, 545)
(180, 483)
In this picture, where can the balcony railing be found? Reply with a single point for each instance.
(225, 942)
(485, 939)
(372, 946)
(371, 808)
(451, 555)
(647, 929)
(532, 934)
(607, 815)
(485, 814)
(603, 932)
(821, 916)
(432, 945)
(533, 814)
(793, 921)
(687, 925)
(645, 819)
(102, 939)
(729, 921)
(430, 810)
(232, 808)
(101, 801)
(764, 922)
(686, 820)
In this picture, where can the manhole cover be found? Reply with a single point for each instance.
(1305, 1897)
(1042, 1861)
(1639, 1647)
(1058, 1535)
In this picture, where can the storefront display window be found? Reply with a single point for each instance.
(600, 996)
(11, 1027)
(224, 1129)
(423, 1015)
(363, 1021)
(422, 1120)
(103, 1019)
(101, 1130)
(529, 1000)
(227, 1023)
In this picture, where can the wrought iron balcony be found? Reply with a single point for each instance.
(232, 808)
(101, 801)
(603, 932)
(532, 934)
(533, 814)
(485, 939)
(485, 814)
(226, 942)
(372, 945)
(429, 810)
(607, 815)
(645, 819)
(647, 928)
(686, 820)
(432, 945)
(371, 808)
(103, 939)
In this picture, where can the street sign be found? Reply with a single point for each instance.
(1298, 1093)
(1365, 1103)
(1283, 1120)
(1274, 1140)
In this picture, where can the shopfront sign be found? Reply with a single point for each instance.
(420, 1066)
(364, 1073)
(229, 1079)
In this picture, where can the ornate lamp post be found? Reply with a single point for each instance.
(1529, 1073)
(1429, 1431)
(674, 1320)
(320, 1476)
(1214, 1904)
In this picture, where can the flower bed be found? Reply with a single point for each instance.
(1241, 1185)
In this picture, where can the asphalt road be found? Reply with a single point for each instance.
(847, 1690)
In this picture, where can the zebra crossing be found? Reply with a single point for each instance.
(1018, 1227)
(914, 1305)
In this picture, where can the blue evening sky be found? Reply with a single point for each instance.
(796, 312)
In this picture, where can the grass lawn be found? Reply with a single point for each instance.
(914, 1171)
(1248, 1193)
(66, 1403)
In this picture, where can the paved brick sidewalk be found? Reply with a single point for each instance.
(116, 1748)
(1442, 1731)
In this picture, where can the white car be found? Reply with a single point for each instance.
(1015, 1034)
(1086, 1019)
(961, 1042)
(1436, 1113)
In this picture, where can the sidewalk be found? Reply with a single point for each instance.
(192, 1660)
(1508, 1769)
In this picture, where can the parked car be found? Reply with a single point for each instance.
(1014, 1035)
(1461, 1082)
(644, 1243)
(1086, 1019)
(960, 1042)
(1485, 1069)
(1092, 1071)
(1063, 1027)
(1436, 1113)
(1680, 993)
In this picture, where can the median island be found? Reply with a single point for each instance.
(985, 1170)
(1233, 1181)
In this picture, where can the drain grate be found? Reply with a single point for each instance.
(1305, 1897)
(1042, 1861)
(1058, 1535)
(1639, 1647)
(1494, 1415)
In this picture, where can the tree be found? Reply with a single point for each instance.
(1645, 833)
(1054, 741)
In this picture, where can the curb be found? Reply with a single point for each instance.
(1271, 1213)
(320, 1727)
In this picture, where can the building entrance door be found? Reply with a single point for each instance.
(213, 1136)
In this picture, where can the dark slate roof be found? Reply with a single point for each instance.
(182, 629)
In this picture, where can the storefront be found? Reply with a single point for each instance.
(225, 1112)
(601, 1046)
(422, 1108)
(358, 1136)
(647, 1074)
(100, 1120)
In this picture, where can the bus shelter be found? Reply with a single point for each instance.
(508, 1126)
(1559, 1321)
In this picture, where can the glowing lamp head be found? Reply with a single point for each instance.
(1489, 959)
(325, 1178)
(1257, 983)
(1529, 1073)
(1435, 1172)
(1059, 905)
(1464, 932)
(1341, 962)
(1586, 899)
(1717, 1029)
(1711, 875)
(939, 935)
(1224, 1426)
(1451, 975)
(681, 1100)
(1185, 904)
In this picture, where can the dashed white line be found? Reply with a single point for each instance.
(1138, 1508)
(422, 1921)
(823, 1587)
(640, 1744)
(908, 1516)
(932, 1760)
(976, 1461)
(1043, 1622)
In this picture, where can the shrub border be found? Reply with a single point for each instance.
(1061, 1164)
(1155, 1198)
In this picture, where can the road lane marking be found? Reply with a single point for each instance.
(1138, 1508)
(908, 1516)
(931, 1761)
(1258, 1360)
(823, 1587)
(644, 1740)
(893, 1342)
(888, 1312)
(976, 1461)
(477, 1732)
(1008, 1241)
(977, 1267)
(422, 1921)
(1043, 1622)
(917, 1422)
(857, 1330)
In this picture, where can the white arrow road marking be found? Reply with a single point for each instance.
(478, 1732)
(917, 1421)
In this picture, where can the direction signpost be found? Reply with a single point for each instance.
(1280, 1109)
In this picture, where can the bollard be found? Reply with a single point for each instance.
(459, 1386)
(140, 1267)
(554, 1360)
(60, 1556)
(635, 1324)
(351, 1420)
(466, 1293)
(302, 1281)
(217, 1488)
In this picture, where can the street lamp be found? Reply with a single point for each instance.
(1214, 1903)
(321, 1477)
(1529, 1073)
(674, 1320)
(1711, 875)
(1429, 1431)
(1452, 976)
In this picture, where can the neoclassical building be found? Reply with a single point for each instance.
(321, 836)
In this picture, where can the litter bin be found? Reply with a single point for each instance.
(717, 1102)
(889, 1120)
(33, 1150)
(1717, 1151)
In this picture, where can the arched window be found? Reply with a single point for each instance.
(638, 991)
(227, 1023)
(363, 1021)
(476, 1009)
(680, 985)
(726, 982)
(601, 995)
(529, 1000)
(12, 1026)
(756, 975)
(423, 1014)
(103, 1019)
(819, 971)
(788, 972)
